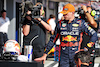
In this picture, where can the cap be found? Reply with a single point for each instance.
(68, 8)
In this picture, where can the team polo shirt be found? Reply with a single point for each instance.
(4, 23)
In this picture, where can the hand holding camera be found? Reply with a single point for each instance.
(32, 13)
(84, 8)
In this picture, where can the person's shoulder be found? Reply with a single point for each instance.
(51, 20)
(7, 18)
(79, 19)
(0, 17)
(60, 22)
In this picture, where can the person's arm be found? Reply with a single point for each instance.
(26, 26)
(26, 29)
(47, 26)
(50, 44)
(89, 17)
(91, 20)
(43, 58)
(90, 32)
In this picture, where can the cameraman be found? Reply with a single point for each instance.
(34, 30)
(94, 24)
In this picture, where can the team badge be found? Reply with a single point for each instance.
(64, 25)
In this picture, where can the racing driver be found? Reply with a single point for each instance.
(70, 31)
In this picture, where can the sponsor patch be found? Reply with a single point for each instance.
(64, 25)
(75, 25)
(69, 38)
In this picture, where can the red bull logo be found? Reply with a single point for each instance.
(69, 38)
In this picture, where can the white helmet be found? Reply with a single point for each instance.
(12, 46)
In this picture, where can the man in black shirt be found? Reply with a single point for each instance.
(35, 33)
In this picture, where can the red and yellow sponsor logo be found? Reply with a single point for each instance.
(90, 44)
(69, 38)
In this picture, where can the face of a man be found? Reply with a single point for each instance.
(4, 14)
(68, 16)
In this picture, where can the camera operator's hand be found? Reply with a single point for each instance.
(84, 8)
(28, 12)
(39, 19)
(47, 26)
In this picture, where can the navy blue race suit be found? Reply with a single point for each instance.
(70, 37)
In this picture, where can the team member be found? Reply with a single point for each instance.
(4, 23)
(70, 31)
(52, 23)
(94, 24)
(35, 33)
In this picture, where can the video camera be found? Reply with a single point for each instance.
(81, 13)
(36, 11)
(28, 5)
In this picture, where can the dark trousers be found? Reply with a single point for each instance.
(67, 56)
(37, 53)
(3, 39)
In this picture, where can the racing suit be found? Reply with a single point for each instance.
(70, 37)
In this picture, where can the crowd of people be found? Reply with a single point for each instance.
(77, 35)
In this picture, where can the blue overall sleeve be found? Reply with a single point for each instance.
(91, 32)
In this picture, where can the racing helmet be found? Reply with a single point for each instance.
(12, 46)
